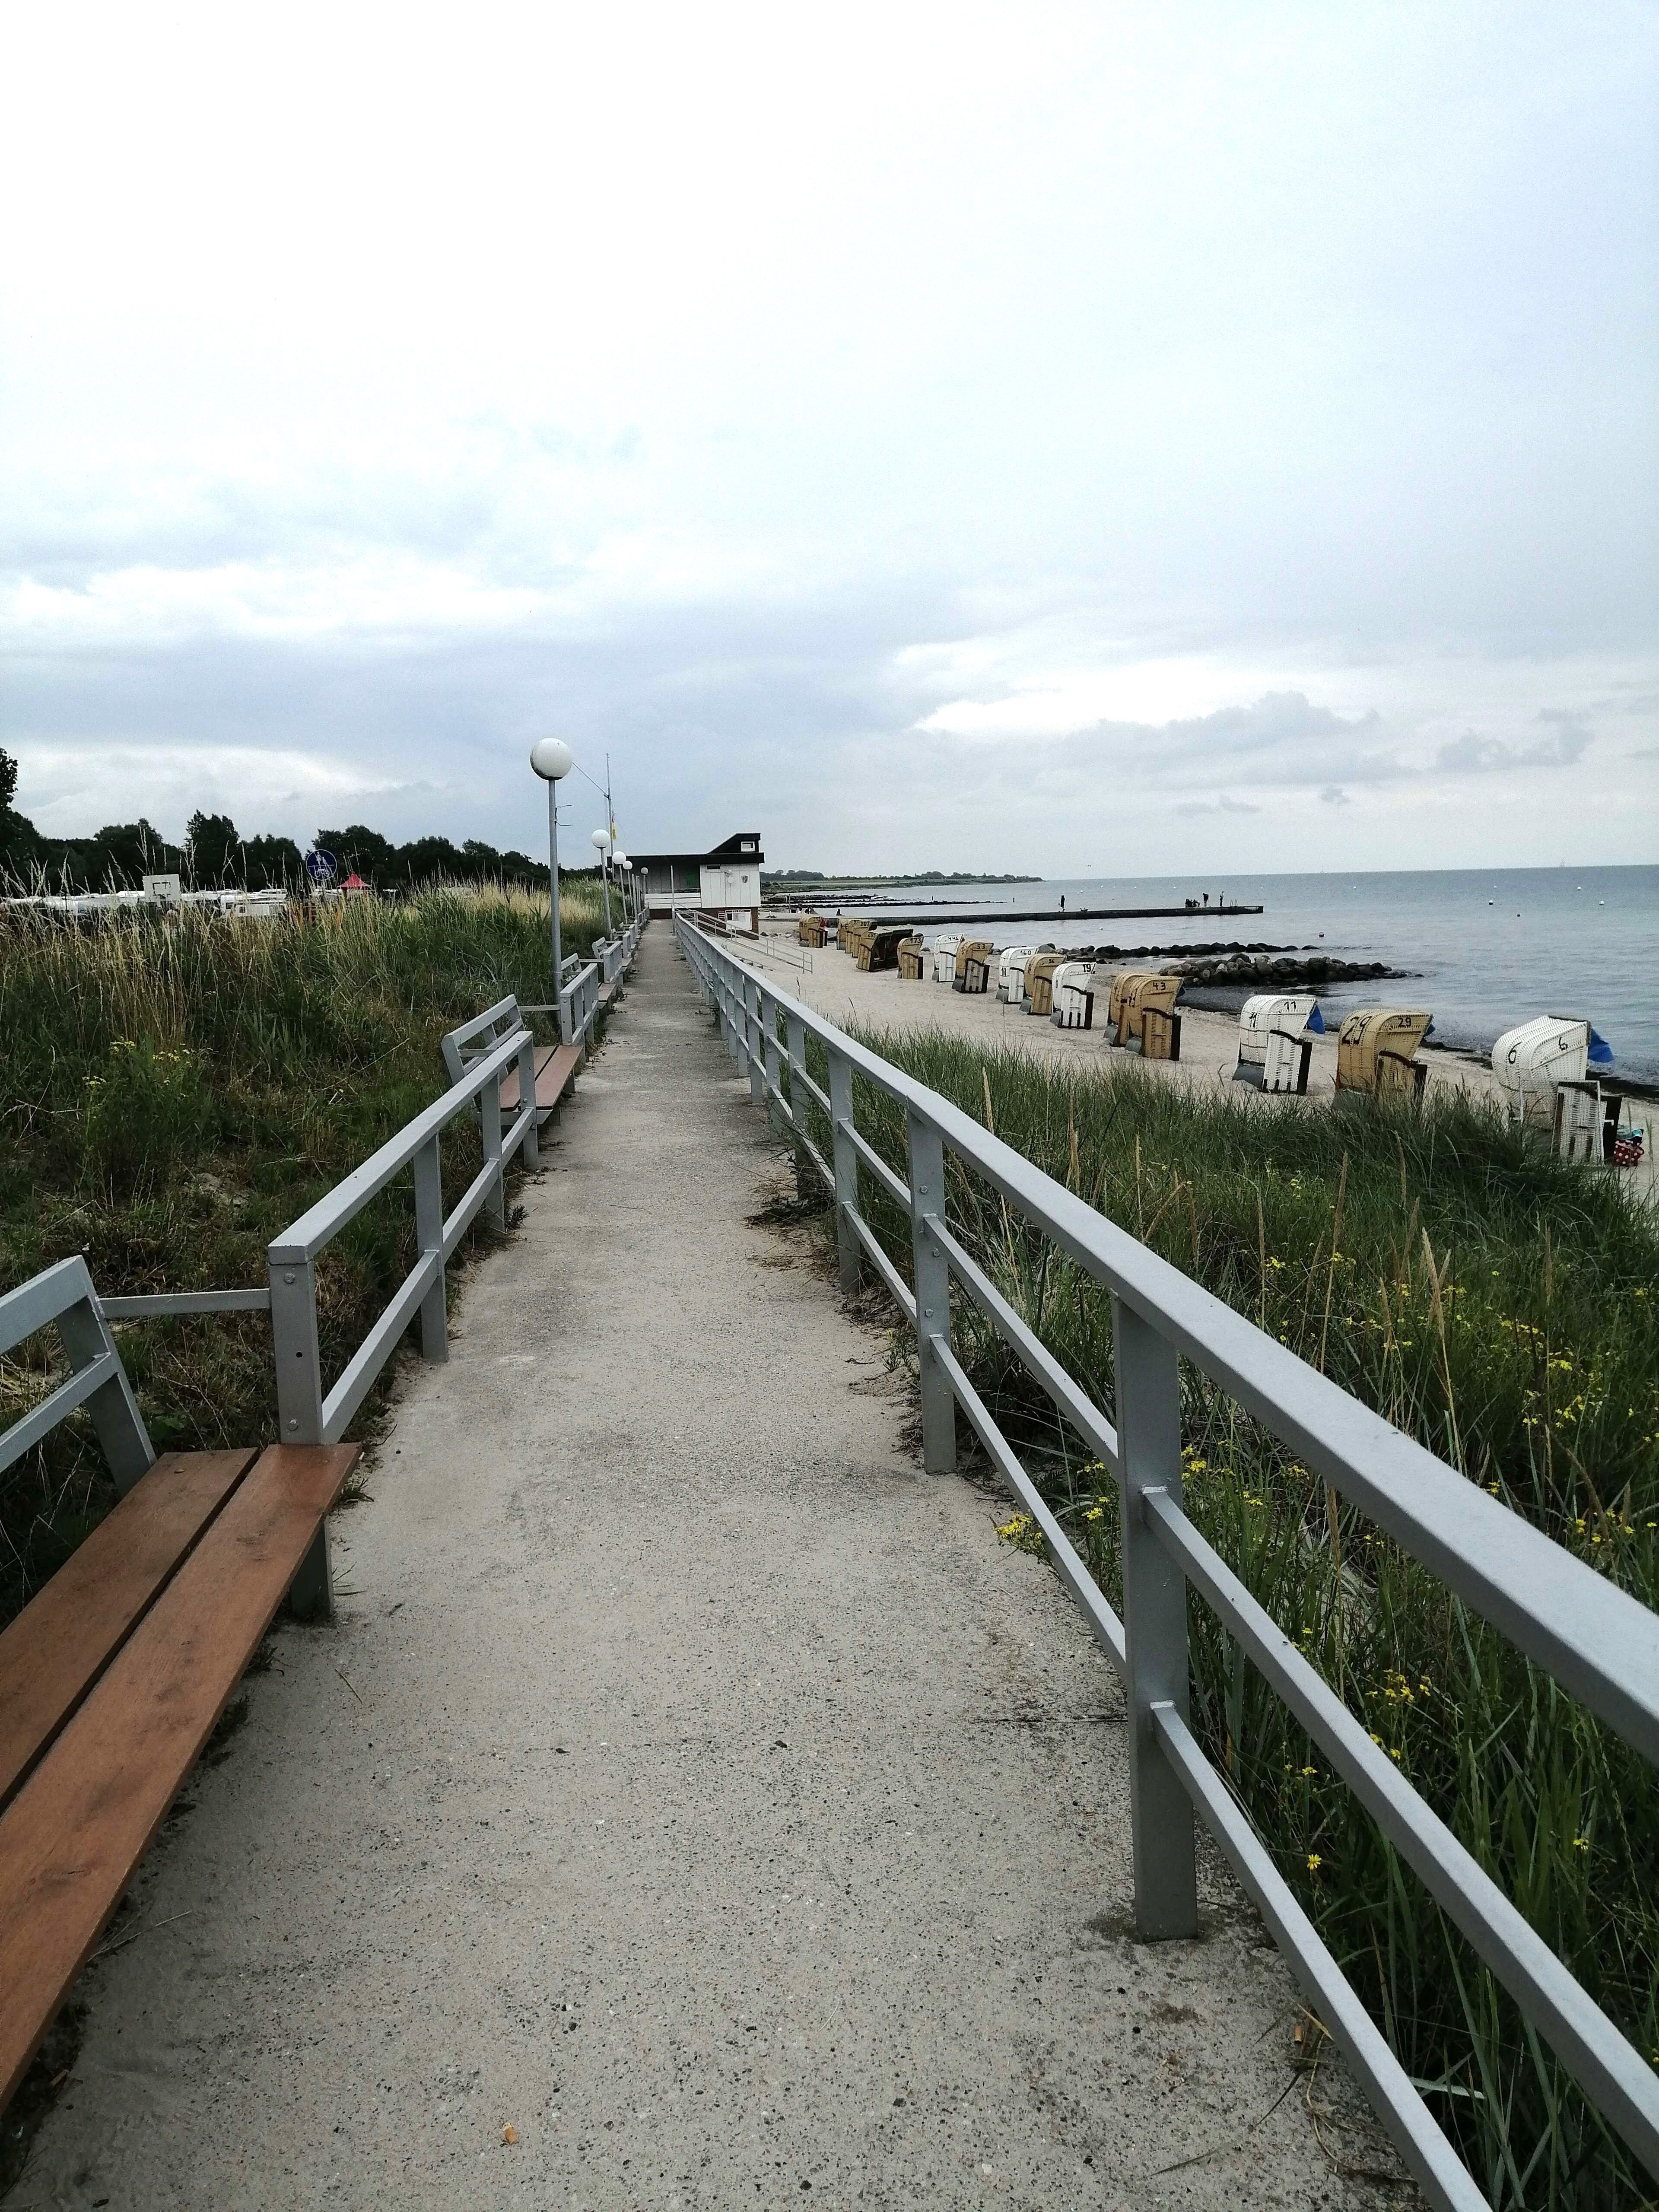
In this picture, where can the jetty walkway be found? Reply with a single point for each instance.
(688, 1785)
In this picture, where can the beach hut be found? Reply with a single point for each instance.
(813, 929)
(1073, 993)
(1276, 1031)
(1040, 981)
(1137, 992)
(1376, 1053)
(1011, 975)
(945, 959)
(973, 959)
(913, 959)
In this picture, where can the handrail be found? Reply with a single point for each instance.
(1594, 1638)
(64, 1297)
(305, 1414)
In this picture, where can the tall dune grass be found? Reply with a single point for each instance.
(174, 1091)
(1498, 1305)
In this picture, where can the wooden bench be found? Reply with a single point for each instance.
(113, 1679)
(555, 1065)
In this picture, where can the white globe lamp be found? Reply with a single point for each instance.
(553, 760)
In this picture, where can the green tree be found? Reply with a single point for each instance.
(213, 845)
(8, 780)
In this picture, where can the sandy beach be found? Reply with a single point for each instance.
(829, 983)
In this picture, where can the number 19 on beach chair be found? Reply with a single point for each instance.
(1073, 991)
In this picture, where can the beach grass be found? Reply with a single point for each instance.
(1497, 1304)
(174, 1091)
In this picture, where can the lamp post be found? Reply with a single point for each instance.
(552, 759)
(625, 881)
(602, 846)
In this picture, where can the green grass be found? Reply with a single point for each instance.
(1498, 1306)
(174, 1091)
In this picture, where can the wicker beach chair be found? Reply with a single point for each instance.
(912, 959)
(973, 959)
(1376, 1053)
(1072, 991)
(945, 959)
(813, 929)
(1011, 975)
(880, 947)
(1275, 1041)
(1135, 993)
(1040, 981)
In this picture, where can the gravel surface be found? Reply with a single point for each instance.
(688, 1785)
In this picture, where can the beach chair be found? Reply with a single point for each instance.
(1135, 993)
(973, 959)
(850, 935)
(1011, 975)
(1534, 1061)
(1160, 1034)
(1276, 1031)
(1376, 1053)
(945, 959)
(912, 960)
(1072, 991)
(813, 929)
(1040, 981)
(879, 948)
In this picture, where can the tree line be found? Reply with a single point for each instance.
(215, 856)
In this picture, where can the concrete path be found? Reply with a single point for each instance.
(689, 1784)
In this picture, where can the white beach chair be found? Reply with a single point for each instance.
(1276, 1029)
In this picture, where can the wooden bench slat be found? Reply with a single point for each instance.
(75, 1831)
(58, 1645)
(555, 1070)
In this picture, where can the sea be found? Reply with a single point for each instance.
(1484, 948)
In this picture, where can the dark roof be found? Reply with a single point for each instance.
(742, 845)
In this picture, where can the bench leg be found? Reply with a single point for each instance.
(311, 1593)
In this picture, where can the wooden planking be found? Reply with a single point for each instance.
(73, 1835)
(62, 1641)
(555, 1070)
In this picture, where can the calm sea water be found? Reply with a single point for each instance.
(1490, 948)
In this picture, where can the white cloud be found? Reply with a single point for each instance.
(994, 432)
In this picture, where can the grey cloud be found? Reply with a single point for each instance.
(1334, 795)
(1221, 805)
(1471, 755)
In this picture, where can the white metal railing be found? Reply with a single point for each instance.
(63, 1297)
(1596, 1641)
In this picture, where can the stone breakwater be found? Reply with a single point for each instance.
(1286, 964)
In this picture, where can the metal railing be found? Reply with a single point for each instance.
(1597, 1642)
(306, 1413)
(63, 1297)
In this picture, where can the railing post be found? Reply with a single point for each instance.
(530, 1150)
(751, 1020)
(795, 1031)
(932, 1273)
(1155, 1628)
(430, 1235)
(489, 1108)
(846, 1161)
(299, 1412)
(775, 1114)
(84, 1335)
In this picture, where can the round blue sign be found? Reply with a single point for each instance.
(321, 867)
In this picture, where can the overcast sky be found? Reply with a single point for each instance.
(1111, 441)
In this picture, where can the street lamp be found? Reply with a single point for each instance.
(552, 759)
(620, 859)
(602, 846)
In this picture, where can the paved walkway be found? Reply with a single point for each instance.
(688, 1783)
